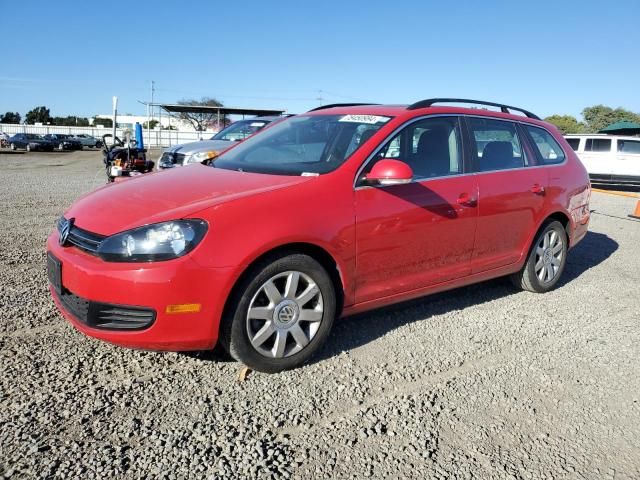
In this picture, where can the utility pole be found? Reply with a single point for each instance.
(319, 98)
(115, 117)
(150, 112)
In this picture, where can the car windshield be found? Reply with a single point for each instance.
(311, 144)
(239, 130)
(33, 136)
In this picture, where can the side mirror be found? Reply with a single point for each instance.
(390, 171)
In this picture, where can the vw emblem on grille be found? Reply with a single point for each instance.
(65, 230)
(287, 313)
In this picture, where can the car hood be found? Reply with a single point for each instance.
(168, 195)
(201, 146)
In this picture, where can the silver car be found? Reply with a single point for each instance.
(206, 150)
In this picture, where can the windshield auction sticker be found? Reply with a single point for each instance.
(371, 119)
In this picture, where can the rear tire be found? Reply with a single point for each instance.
(546, 261)
(280, 314)
(13, 147)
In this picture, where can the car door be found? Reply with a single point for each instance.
(418, 234)
(511, 192)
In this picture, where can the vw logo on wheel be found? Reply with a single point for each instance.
(65, 229)
(287, 313)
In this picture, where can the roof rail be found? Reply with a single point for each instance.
(331, 105)
(504, 108)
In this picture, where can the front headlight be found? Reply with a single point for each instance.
(156, 242)
(200, 157)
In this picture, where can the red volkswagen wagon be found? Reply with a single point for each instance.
(340, 210)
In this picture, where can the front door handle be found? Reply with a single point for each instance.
(537, 189)
(467, 200)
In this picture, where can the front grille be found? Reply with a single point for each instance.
(87, 241)
(106, 316)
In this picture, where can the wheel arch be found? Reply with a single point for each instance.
(561, 217)
(321, 255)
(558, 215)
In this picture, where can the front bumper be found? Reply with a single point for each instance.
(148, 286)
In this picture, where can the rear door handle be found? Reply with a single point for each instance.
(466, 200)
(537, 189)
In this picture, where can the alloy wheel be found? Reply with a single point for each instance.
(284, 315)
(549, 253)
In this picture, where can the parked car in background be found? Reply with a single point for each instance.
(206, 150)
(326, 214)
(609, 159)
(88, 141)
(30, 142)
(4, 139)
(63, 142)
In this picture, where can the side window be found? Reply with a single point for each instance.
(629, 146)
(549, 150)
(574, 143)
(598, 145)
(497, 146)
(431, 147)
(391, 149)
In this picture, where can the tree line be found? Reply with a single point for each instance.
(595, 118)
(43, 115)
(199, 121)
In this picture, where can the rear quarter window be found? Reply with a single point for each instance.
(549, 151)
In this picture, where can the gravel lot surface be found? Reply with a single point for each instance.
(480, 382)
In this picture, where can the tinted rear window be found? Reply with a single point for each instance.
(549, 150)
(629, 146)
(598, 145)
(574, 143)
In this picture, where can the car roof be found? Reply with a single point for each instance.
(405, 112)
(265, 118)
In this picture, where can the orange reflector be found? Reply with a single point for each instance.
(184, 308)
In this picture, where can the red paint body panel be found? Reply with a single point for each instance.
(155, 197)
(412, 236)
(508, 212)
(389, 243)
(153, 286)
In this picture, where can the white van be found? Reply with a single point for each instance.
(609, 159)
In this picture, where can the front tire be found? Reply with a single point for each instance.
(280, 314)
(28, 148)
(546, 261)
(13, 147)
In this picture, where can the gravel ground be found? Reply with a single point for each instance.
(480, 382)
